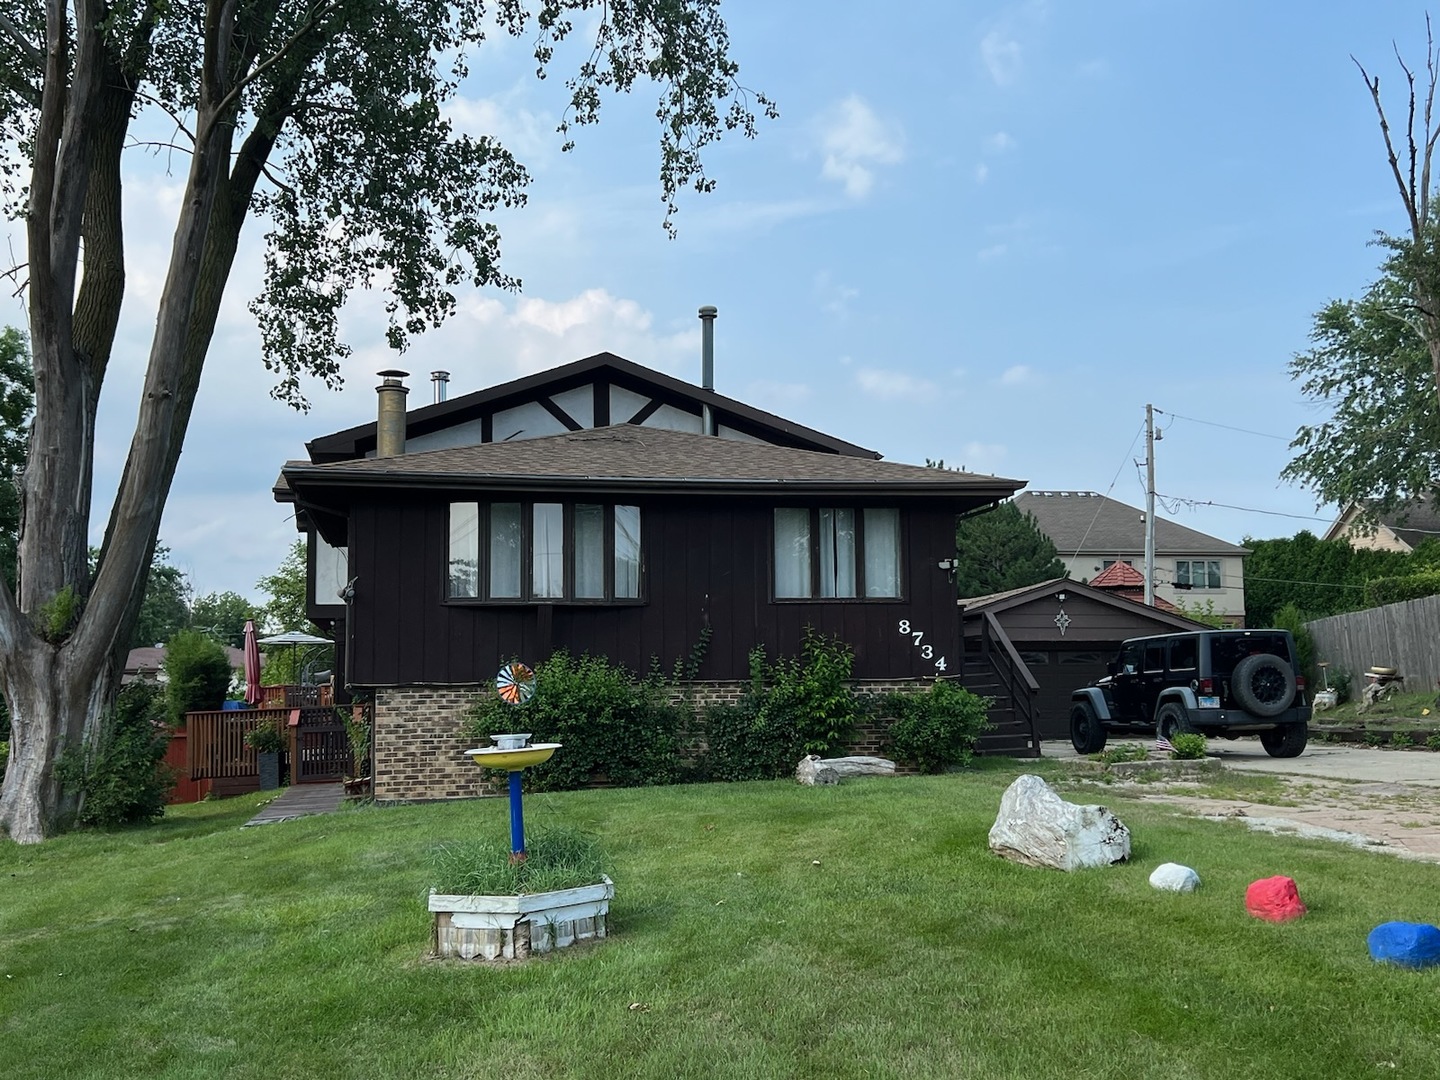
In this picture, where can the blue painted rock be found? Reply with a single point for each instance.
(1412, 945)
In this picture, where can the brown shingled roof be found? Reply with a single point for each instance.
(633, 457)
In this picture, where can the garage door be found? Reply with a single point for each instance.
(1058, 672)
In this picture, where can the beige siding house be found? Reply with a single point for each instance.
(1092, 532)
(1403, 531)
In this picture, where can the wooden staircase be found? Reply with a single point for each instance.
(993, 669)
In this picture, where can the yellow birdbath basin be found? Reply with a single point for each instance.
(496, 757)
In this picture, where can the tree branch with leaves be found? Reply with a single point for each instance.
(346, 99)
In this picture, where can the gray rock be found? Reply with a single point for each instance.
(1172, 877)
(1037, 827)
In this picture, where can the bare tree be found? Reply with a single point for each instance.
(324, 118)
(1415, 257)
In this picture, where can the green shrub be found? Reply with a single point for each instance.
(611, 724)
(1400, 740)
(793, 707)
(199, 674)
(1289, 617)
(1188, 746)
(1392, 590)
(1127, 751)
(935, 729)
(558, 857)
(124, 782)
(1340, 682)
(1433, 742)
(4, 757)
(266, 738)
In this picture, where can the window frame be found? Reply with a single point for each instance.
(1190, 585)
(527, 597)
(859, 598)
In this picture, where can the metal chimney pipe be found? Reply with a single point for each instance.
(707, 363)
(441, 379)
(390, 416)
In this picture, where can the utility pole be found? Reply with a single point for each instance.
(1150, 505)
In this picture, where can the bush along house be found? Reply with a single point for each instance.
(608, 509)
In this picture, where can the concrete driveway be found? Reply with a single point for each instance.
(1415, 768)
(1381, 800)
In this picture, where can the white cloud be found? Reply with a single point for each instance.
(856, 142)
(1018, 375)
(528, 135)
(1000, 143)
(1001, 55)
(994, 251)
(894, 385)
(982, 173)
(981, 457)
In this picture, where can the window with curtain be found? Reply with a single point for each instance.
(837, 553)
(544, 551)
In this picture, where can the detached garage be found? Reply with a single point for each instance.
(1064, 633)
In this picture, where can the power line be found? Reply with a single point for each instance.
(1227, 427)
(1195, 503)
(1113, 480)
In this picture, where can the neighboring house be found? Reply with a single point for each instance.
(1403, 530)
(1123, 580)
(1091, 533)
(586, 509)
(1064, 634)
(147, 663)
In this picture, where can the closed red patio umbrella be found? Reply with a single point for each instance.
(252, 664)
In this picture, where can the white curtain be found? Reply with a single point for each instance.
(589, 551)
(627, 552)
(837, 553)
(792, 553)
(505, 551)
(882, 553)
(547, 544)
(464, 550)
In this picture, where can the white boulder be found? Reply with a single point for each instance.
(1037, 827)
(1172, 877)
(814, 769)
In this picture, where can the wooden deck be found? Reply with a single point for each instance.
(300, 801)
(317, 750)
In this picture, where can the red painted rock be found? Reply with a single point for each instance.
(1275, 899)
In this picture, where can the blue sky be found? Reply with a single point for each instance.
(988, 233)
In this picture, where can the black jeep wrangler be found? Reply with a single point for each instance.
(1215, 682)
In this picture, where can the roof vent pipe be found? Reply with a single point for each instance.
(441, 379)
(707, 364)
(390, 418)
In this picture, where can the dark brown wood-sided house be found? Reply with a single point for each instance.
(1060, 635)
(588, 509)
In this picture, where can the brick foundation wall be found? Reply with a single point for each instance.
(418, 746)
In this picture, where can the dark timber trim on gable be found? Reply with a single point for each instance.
(603, 370)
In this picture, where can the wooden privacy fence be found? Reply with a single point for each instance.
(1404, 635)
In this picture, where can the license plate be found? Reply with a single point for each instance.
(1209, 703)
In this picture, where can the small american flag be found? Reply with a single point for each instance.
(1162, 743)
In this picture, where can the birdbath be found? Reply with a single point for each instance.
(514, 752)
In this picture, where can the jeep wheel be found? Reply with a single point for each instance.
(1263, 684)
(1087, 734)
(1287, 741)
(1171, 721)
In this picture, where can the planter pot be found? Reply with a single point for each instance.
(515, 927)
(269, 771)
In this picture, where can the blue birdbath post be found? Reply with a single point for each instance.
(515, 683)
(512, 754)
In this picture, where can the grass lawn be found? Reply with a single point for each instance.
(196, 948)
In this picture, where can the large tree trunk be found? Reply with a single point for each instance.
(51, 708)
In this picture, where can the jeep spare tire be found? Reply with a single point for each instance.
(1263, 684)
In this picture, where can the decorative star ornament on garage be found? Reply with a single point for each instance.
(1062, 621)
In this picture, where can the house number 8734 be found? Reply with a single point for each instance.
(917, 639)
